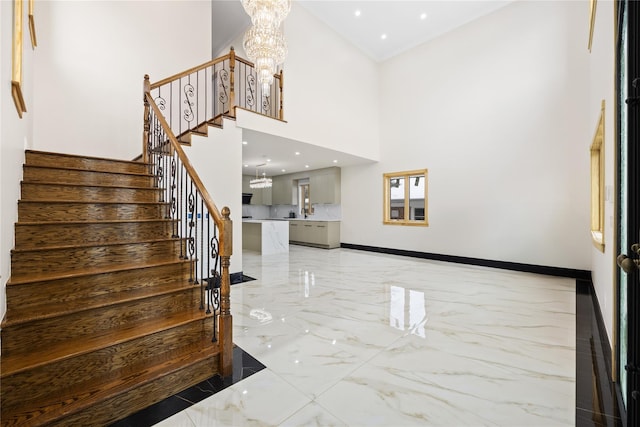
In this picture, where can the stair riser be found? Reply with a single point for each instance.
(37, 335)
(61, 160)
(71, 289)
(47, 235)
(70, 176)
(77, 211)
(141, 397)
(35, 191)
(34, 384)
(72, 259)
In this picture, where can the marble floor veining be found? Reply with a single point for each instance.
(362, 339)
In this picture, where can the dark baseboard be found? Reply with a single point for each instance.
(505, 265)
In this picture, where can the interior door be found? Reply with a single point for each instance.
(628, 233)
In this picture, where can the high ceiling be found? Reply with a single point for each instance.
(379, 28)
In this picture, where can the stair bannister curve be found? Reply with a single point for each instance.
(206, 231)
(201, 96)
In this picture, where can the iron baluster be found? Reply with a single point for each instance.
(266, 104)
(251, 90)
(174, 184)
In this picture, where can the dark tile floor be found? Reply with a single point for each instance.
(596, 397)
(244, 365)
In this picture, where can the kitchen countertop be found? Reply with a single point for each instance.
(290, 219)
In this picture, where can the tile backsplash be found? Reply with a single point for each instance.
(321, 211)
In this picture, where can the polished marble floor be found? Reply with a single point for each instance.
(362, 339)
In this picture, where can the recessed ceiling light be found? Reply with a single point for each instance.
(423, 16)
(335, 161)
(268, 160)
(383, 37)
(284, 170)
(297, 153)
(244, 142)
(306, 166)
(246, 166)
(357, 12)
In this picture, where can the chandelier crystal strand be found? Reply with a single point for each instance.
(267, 13)
(263, 182)
(267, 48)
(264, 42)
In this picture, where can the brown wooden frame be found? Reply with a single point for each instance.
(387, 177)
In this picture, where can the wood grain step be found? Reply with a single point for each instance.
(41, 332)
(43, 158)
(56, 210)
(83, 176)
(34, 262)
(94, 193)
(18, 314)
(30, 235)
(70, 288)
(94, 359)
(129, 391)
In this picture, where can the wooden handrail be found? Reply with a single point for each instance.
(202, 67)
(213, 209)
(189, 71)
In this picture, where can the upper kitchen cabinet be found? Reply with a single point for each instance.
(324, 186)
(283, 191)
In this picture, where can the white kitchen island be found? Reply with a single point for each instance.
(265, 236)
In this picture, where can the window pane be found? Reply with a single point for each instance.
(416, 197)
(396, 205)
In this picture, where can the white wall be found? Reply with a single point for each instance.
(602, 61)
(497, 111)
(15, 136)
(217, 159)
(91, 60)
(331, 92)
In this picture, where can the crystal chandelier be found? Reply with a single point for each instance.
(262, 182)
(264, 42)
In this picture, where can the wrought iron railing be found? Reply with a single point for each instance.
(205, 232)
(175, 108)
(200, 96)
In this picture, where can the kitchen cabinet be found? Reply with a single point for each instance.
(325, 187)
(323, 234)
(295, 231)
(283, 191)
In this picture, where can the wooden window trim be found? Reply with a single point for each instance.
(597, 184)
(387, 177)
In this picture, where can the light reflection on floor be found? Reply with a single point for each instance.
(356, 338)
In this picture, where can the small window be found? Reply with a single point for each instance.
(597, 184)
(405, 198)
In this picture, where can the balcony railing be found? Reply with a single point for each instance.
(201, 96)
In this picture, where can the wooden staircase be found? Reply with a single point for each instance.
(101, 318)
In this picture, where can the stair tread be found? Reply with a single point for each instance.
(93, 221)
(77, 184)
(80, 156)
(77, 169)
(92, 245)
(91, 202)
(54, 309)
(13, 281)
(14, 363)
(76, 398)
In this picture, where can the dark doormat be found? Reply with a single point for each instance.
(240, 278)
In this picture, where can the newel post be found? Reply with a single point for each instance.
(232, 82)
(146, 88)
(226, 321)
(281, 112)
